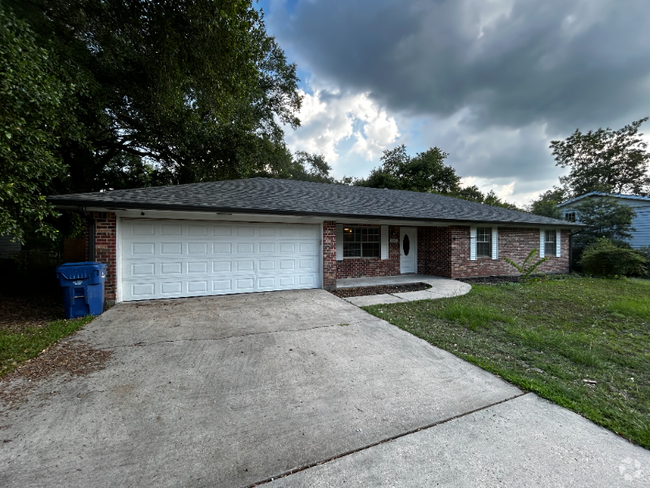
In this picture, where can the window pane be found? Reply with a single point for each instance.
(351, 250)
(549, 249)
(348, 234)
(483, 234)
(550, 236)
(483, 249)
(370, 250)
(373, 234)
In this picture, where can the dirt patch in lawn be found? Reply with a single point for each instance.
(20, 312)
(74, 357)
(378, 290)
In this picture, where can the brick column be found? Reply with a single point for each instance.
(329, 255)
(106, 251)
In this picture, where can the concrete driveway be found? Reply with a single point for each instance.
(239, 390)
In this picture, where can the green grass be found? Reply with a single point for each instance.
(548, 337)
(18, 347)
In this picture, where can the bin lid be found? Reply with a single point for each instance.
(77, 271)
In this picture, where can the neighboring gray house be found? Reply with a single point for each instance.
(641, 205)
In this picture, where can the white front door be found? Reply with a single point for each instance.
(408, 250)
(184, 258)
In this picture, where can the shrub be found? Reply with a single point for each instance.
(528, 267)
(604, 258)
(645, 252)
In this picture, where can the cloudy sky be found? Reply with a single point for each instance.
(491, 82)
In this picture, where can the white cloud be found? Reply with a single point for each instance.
(329, 118)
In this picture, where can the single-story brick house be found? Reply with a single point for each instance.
(265, 234)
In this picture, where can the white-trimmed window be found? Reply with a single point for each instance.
(483, 242)
(550, 243)
(361, 242)
(570, 216)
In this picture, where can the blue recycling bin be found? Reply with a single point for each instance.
(83, 288)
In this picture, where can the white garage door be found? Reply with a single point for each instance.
(168, 259)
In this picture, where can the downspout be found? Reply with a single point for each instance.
(571, 248)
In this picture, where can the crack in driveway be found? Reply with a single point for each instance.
(383, 441)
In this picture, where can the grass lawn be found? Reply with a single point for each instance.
(581, 343)
(30, 325)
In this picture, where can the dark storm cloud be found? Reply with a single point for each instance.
(568, 63)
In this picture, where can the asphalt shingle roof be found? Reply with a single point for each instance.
(274, 196)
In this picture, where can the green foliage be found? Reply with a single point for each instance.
(546, 204)
(528, 267)
(426, 172)
(645, 252)
(301, 166)
(31, 97)
(168, 92)
(606, 160)
(605, 258)
(607, 218)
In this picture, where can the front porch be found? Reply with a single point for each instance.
(440, 288)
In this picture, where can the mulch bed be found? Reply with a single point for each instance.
(20, 312)
(378, 290)
(74, 357)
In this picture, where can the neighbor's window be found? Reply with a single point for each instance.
(361, 242)
(483, 242)
(570, 216)
(549, 244)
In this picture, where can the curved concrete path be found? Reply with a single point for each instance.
(440, 288)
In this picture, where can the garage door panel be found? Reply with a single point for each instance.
(197, 230)
(222, 248)
(159, 258)
(245, 248)
(220, 231)
(171, 268)
(171, 288)
(171, 229)
(171, 248)
(197, 267)
(219, 267)
(266, 247)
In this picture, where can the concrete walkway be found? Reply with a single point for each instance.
(440, 288)
(292, 389)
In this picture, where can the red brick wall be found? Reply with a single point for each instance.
(434, 251)
(329, 255)
(106, 249)
(514, 243)
(361, 267)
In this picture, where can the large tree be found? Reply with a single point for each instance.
(547, 203)
(605, 217)
(171, 91)
(426, 172)
(31, 114)
(606, 160)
